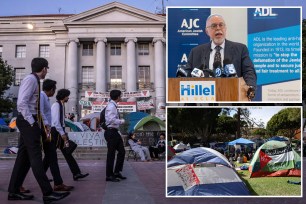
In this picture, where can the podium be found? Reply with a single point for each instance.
(227, 89)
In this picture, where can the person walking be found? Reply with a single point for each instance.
(29, 124)
(59, 136)
(113, 139)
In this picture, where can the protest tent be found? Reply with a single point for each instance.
(150, 123)
(275, 158)
(203, 172)
(279, 138)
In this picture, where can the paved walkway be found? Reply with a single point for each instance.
(145, 185)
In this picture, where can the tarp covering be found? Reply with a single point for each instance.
(278, 138)
(275, 158)
(203, 172)
(241, 141)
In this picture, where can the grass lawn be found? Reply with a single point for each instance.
(270, 186)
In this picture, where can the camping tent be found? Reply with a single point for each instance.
(275, 158)
(150, 123)
(203, 172)
(134, 118)
(279, 138)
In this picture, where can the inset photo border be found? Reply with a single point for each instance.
(234, 151)
(261, 56)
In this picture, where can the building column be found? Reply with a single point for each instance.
(131, 73)
(160, 75)
(71, 76)
(101, 78)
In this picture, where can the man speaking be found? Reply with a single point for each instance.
(219, 48)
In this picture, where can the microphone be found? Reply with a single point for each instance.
(218, 72)
(197, 73)
(229, 68)
(183, 71)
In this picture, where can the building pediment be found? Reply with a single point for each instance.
(114, 13)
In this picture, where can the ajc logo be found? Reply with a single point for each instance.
(193, 23)
(264, 12)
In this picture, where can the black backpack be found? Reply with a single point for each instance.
(102, 119)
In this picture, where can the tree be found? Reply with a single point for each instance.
(6, 80)
(286, 121)
(260, 131)
(193, 122)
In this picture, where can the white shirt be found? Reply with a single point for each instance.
(27, 98)
(213, 52)
(45, 108)
(55, 116)
(112, 115)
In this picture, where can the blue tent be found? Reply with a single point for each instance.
(2, 122)
(241, 141)
(134, 118)
(278, 138)
(203, 172)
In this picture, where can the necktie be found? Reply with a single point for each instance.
(217, 57)
(39, 118)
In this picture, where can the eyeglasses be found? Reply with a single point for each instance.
(215, 26)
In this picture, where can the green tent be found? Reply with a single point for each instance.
(150, 123)
(275, 158)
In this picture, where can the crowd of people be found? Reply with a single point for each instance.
(42, 128)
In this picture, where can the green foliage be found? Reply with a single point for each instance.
(287, 121)
(193, 122)
(226, 124)
(260, 131)
(6, 80)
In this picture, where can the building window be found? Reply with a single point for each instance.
(87, 75)
(116, 74)
(19, 75)
(143, 49)
(1, 50)
(21, 51)
(115, 48)
(87, 49)
(44, 51)
(116, 78)
(144, 77)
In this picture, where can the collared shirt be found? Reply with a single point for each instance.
(45, 108)
(55, 118)
(112, 115)
(27, 98)
(213, 52)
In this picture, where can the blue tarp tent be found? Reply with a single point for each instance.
(203, 172)
(241, 141)
(134, 118)
(279, 138)
(2, 122)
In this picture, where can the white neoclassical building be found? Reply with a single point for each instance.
(114, 46)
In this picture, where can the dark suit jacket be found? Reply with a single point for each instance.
(236, 52)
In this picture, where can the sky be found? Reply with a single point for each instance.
(34, 7)
(262, 113)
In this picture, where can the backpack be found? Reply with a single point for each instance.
(102, 119)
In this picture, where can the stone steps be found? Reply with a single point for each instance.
(81, 153)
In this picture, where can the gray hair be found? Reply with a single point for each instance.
(214, 15)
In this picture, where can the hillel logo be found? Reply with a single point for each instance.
(264, 12)
(197, 91)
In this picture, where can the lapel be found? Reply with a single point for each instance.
(205, 55)
(228, 50)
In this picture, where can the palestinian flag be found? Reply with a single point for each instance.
(275, 158)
